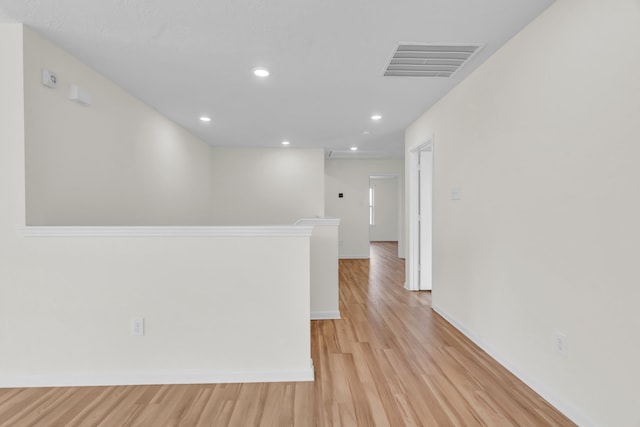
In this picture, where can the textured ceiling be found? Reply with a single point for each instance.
(191, 57)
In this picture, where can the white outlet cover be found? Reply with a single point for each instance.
(560, 344)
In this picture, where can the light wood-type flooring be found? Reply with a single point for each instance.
(390, 361)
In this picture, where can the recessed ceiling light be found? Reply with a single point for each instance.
(285, 143)
(205, 119)
(260, 72)
(353, 148)
(376, 117)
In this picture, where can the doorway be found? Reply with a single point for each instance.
(420, 258)
(383, 208)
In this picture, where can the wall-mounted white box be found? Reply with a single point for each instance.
(78, 95)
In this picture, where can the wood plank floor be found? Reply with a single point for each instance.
(391, 361)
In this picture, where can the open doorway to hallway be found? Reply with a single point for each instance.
(384, 212)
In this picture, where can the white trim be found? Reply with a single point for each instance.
(170, 231)
(149, 378)
(353, 257)
(413, 262)
(569, 410)
(319, 221)
(325, 315)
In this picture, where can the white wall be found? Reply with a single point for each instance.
(66, 302)
(542, 141)
(119, 162)
(351, 177)
(385, 209)
(266, 186)
(115, 162)
(12, 137)
(325, 291)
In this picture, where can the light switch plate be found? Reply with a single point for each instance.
(456, 194)
(137, 326)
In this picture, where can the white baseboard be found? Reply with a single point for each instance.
(325, 315)
(150, 378)
(543, 390)
(353, 257)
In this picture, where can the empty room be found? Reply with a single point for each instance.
(250, 213)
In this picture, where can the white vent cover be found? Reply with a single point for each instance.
(429, 60)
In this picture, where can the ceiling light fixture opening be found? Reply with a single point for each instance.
(353, 148)
(285, 143)
(261, 72)
(376, 117)
(205, 119)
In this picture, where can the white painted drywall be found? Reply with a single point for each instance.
(543, 142)
(351, 177)
(385, 209)
(68, 303)
(266, 186)
(119, 162)
(216, 308)
(324, 267)
(114, 162)
(11, 135)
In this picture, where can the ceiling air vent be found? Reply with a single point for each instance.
(429, 60)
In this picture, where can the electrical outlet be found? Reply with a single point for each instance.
(560, 344)
(137, 326)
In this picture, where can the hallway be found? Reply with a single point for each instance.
(390, 361)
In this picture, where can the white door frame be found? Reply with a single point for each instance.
(413, 272)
